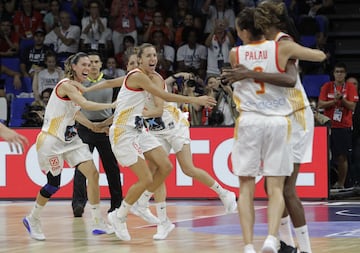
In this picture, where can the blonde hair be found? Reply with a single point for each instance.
(270, 13)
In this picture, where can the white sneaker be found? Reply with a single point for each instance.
(268, 248)
(119, 226)
(33, 226)
(229, 201)
(145, 213)
(100, 227)
(163, 230)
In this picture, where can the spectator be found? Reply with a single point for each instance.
(219, 10)
(111, 70)
(224, 113)
(146, 14)
(48, 77)
(95, 34)
(52, 17)
(33, 57)
(188, 22)
(34, 114)
(338, 99)
(26, 22)
(123, 13)
(179, 12)
(158, 24)
(9, 39)
(41, 6)
(128, 42)
(74, 8)
(3, 12)
(165, 54)
(64, 39)
(191, 57)
(219, 42)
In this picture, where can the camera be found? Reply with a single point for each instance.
(198, 87)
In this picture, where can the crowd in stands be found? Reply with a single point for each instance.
(191, 36)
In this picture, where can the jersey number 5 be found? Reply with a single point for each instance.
(262, 84)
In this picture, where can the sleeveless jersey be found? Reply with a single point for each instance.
(130, 104)
(297, 95)
(59, 118)
(255, 96)
(171, 113)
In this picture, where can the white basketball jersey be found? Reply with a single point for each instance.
(297, 95)
(59, 118)
(255, 96)
(171, 113)
(130, 104)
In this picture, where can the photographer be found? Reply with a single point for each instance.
(188, 85)
(34, 113)
(224, 113)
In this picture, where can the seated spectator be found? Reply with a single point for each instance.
(26, 22)
(95, 34)
(3, 12)
(158, 24)
(219, 42)
(9, 39)
(64, 39)
(47, 77)
(165, 54)
(146, 13)
(75, 9)
(111, 70)
(220, 10)
(33, 57)
(42, 6)
(179, 12)
(123, 15)
(188, 22)
(128, 42)
(52, 17)
(192, 56)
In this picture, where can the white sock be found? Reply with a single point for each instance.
(36, 211)
(123, 210)
(95, 211)
(161, 211)
(285, 231)
(249, 248)
(145, 198)
(218, 188)
(302, 235)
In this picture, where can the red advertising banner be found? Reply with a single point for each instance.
(21, 177)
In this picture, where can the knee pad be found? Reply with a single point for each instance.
(48, 190)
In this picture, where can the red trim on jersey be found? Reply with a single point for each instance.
(237, 55)
(277, 57)
(127, 76)
(56, 90)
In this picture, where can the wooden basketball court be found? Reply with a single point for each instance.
(201, 226)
